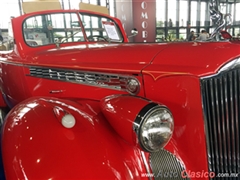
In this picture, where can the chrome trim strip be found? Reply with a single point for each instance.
(233, 64)
(206, 127)
(55, 91)
(104, 80)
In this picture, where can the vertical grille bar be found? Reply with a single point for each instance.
(223, 130)
(207, 115)
(221, 106)
(214, 124)
(218, 128)
(233, 119)
(226, 120)
(238, 123)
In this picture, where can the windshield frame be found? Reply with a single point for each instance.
(83, 30)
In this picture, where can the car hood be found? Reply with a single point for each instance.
(196, 58)
(125, 57)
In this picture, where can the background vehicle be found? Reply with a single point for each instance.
(85, 104)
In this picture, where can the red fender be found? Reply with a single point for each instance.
(35, 145)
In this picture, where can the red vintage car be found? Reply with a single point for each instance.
(87, 104)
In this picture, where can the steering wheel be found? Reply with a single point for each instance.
(96, 38)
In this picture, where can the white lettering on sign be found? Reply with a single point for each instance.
(144, 25)
(124, 17)
(144, 5)
(144, 16)
(144, 34)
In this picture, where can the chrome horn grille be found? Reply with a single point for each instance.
(221, 106)
(165, 166)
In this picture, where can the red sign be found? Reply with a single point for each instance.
(144, 20)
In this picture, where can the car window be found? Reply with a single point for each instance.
(52, 28)
(6, 39)
(99, 28)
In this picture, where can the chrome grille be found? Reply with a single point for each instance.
(221, 106)
(165, 166)
(112, 81)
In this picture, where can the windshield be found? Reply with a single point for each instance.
(65, 27)
(100, 28)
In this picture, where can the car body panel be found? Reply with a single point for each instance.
(99, 58)
(61, 160)
(196, 58)
(184, 100)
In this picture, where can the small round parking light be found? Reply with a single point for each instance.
(64, 117)
(68, 121)
(133, 86)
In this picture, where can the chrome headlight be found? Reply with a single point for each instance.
(154, 127)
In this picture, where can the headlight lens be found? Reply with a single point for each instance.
(155, 128)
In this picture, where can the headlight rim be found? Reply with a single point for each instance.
(142, 117)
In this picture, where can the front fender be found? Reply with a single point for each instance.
(35, 145)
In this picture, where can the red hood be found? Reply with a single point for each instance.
(115, 57)
(196, 58)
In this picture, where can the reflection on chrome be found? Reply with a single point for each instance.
(231, 65)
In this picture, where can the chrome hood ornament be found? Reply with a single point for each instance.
(222, 21)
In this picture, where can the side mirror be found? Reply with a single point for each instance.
(134, 32)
